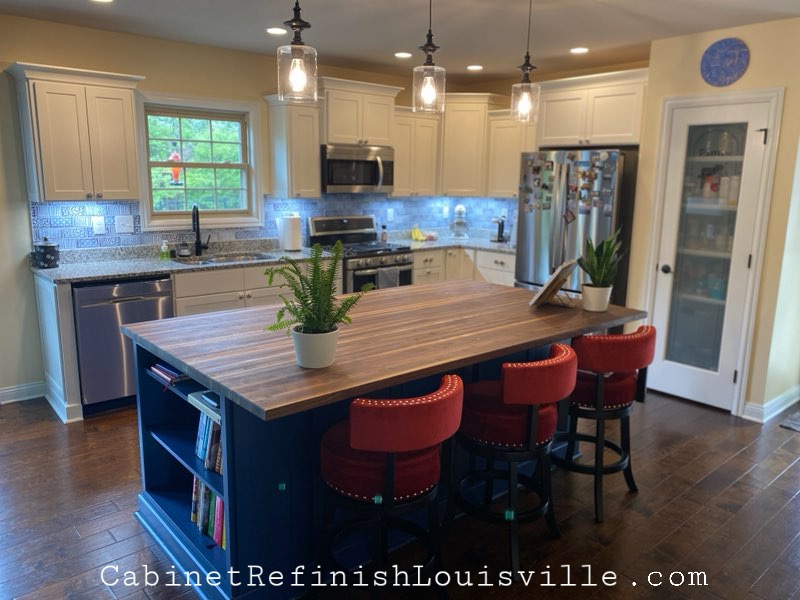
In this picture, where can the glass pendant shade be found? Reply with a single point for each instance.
(428, 85)
(297, 73)
(525, 102)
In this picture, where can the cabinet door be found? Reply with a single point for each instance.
(505, 150)
(495, 267)
(195, 305)
(303, 150)
(209, 282)
(377, 113)
(464, 158)
(562, 118)
(428, 258)
(343, 119)
(63, 137)
(614, 114)
(705, 256)
(458, 264)
(432, 275)
(264, 296)
(404, 156)
(426, 156)
(112, 137)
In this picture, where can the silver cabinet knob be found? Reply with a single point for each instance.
(89, 196)
(99, 195)
(241, 296)
(249, 294)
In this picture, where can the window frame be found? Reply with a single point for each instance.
(253, 214)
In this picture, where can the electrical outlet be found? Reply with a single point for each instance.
(504, 214)
(123, 224)
(98, 225)
(389, 215)
(445, 211)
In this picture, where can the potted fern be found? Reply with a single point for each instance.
(313, 314)
(600, 263)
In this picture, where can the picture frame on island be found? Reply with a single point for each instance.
(551, 288)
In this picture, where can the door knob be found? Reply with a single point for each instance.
(666, 269)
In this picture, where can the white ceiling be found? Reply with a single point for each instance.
(366, 33)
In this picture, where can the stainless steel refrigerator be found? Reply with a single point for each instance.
(565, 197)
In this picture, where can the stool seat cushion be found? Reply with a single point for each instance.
(619, 390)
(486, 418)
(360, 474)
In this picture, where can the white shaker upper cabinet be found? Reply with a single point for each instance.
(79, 133)
(415, 139)
(356, 113)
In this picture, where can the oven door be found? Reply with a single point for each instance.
(380, 278)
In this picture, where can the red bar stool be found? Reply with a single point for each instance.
(613, 374)
(514, 420)
(385, 461)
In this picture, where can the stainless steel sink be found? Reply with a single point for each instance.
(240, 257)
(191, 261)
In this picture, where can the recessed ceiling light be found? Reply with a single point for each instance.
(475, 68)
(276, 31)
(103, 1)
(402, 54)
(579, 50)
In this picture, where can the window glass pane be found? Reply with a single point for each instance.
(227, 153)
(195, 129)
(161, 150)
(165, 177)
(196, 152)
(169, 200)
(229, 178)
(231, 200)
(204, 199)
(200, 178)
(226, 131)
(162, 127)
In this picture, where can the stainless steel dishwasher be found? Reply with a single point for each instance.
(105, 356)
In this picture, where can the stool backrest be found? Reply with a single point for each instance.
(542, 381)
(616, 352)
(407, 424)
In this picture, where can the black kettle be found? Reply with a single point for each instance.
(45, 254)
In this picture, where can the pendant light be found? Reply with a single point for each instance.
(297, 64)
(525, 95)
(428, 81)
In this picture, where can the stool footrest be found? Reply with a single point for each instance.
(589, 468)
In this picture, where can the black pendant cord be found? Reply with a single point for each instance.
(527, 67)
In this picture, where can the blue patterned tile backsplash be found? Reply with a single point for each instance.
(69, 224)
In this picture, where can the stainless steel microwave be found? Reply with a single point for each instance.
(356, 169)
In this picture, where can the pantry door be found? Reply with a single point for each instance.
(714, 189)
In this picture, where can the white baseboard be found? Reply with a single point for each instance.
(26, 391)
(761, 413)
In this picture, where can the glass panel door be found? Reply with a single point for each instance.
(709, 203)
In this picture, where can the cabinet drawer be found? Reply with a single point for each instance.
(428, 259)
(209, 282)
(427, 275)
(496, 260)
(207, 303)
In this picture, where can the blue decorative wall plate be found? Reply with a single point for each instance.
(724, 61)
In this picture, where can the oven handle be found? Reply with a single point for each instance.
(380, 173)
(367, 272)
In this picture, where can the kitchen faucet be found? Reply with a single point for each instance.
(499, 237)
(198, 241)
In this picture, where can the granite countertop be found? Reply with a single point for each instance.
(147, 267)
(86, 268)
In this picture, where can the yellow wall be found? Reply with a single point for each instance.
(168, 67)
(674, 71)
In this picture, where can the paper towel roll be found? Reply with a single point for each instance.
(289, 235)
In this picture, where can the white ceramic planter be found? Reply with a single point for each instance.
(314, 350)
(595, 299)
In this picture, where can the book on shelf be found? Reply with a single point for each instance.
(196, 491)
(212, 398)
(219, 519)
(205, 405)
(200, 443)
(218, 466)
(203, 508)
(166, 374)
(212, 446)
(212, 515)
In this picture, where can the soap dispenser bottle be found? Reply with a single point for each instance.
(163, 253)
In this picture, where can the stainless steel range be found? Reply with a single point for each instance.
(366, 260)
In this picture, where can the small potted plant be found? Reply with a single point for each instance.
(600, 263)
(313, 314)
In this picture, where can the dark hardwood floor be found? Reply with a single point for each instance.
(718, 495)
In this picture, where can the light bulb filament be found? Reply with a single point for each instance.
(297, 75)
(428, 92)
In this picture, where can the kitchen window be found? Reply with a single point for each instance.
(200, 155)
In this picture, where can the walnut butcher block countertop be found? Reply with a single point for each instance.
(397, 335)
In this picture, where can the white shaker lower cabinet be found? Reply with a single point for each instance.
(459, 264)
(494, 267)
(223, 289)
(428, 266)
